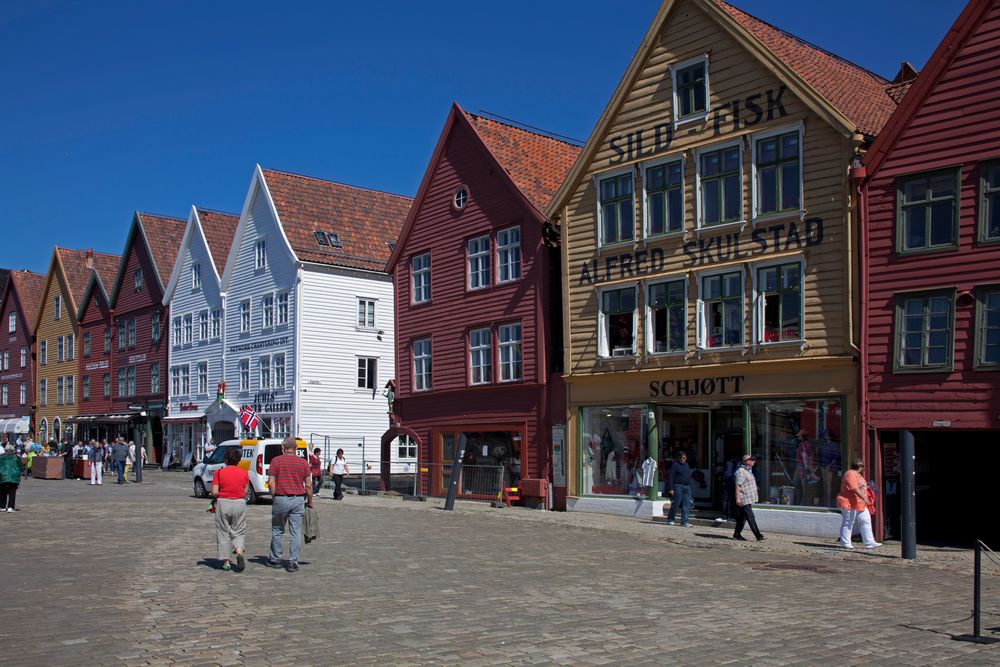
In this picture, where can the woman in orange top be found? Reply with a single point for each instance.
(854, 506)
(229, 486)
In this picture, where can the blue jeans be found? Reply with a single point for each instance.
(288, 509)
(682, 497)
(120, 469)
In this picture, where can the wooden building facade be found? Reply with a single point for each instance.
(19, 301)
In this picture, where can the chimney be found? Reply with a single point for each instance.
(90, 258)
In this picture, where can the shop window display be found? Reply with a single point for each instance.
(799, 450)
(612, 450)
(490, 457)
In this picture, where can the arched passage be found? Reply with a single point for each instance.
(387, 438)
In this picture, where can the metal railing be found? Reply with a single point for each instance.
(475, 482)
(977, 588)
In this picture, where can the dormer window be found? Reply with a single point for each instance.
(461, 198)
(690, 83)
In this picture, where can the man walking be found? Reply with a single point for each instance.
(679, 483)
(746, 496)
(119, 454)
(289, 481)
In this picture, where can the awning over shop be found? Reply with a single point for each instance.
(81, 419)
(189, 417)
(14, 425)
(117, 419)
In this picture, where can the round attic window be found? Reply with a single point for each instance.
(461, 198)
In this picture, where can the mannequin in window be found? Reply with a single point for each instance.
(589, 460)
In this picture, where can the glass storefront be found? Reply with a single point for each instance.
(490, 457)
(613, 450)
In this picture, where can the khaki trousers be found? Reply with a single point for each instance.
(230, 525)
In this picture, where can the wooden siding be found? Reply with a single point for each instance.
(11, 344)
(49, 329)
(956, 127)
(95, 316)
(734, 75)
(454, 310)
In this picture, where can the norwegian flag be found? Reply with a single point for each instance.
(249, 417)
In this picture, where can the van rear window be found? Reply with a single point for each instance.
(271, 451)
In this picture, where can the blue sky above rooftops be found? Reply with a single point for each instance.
(110, 107)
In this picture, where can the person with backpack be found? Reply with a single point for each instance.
(10, 478)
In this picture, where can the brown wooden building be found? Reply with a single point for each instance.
(19, 301)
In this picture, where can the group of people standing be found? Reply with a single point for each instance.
(118, 457)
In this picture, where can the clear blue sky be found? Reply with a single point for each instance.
(110, 107)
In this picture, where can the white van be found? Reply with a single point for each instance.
(255, 458)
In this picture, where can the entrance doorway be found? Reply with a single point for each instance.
(222, 431)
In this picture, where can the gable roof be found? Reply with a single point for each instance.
(845, 95)
(77, 267)
(29, 287)
(219, 229)
(105, 270)
(162, 236)
(366, 221)
(535, 165)
(936, 67)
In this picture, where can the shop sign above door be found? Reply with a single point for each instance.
(718, 386)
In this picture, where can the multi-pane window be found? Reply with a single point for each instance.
(195, 276)
(86, 344)
(988, 327)
(667, 316)
(202, 378)
(245, 316)
(175, 380)
(989, 204)
(107, 385)
(924, 330)
(721, 310)
(508, 254)
(154, 377)
(203, 325)
(154, 326)
(244, 375)
(60, 388)
(185, 380)
(5, 361)
(779, 302)
(131, 332)
(281, 427)
(367, 372)
(57, 306)
(617, 322)
(137, 276)
(12, 323)
(121, 382)
(420, 270)
(691, 90)
(70, 389)
(130, 381)
(278, 370)
(43, 352)
(267, 311)
(422, 364)
(509, 339)
(43, 393)
(616, 214)
(216, 323)
(24, 393)
(282, 299)
(479, 262)
(60, 349)
(719, 184)
(187, 332)
(406, 447)
(927, 212)
(665, 198)
(3, 396)
(176, 331)
(264, 374)
(260, 254)
(24, 357)
(121, 335)
(480, 356)
(366, 313)
(70, 347)
(778, 169)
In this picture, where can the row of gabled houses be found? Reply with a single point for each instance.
(761, 248)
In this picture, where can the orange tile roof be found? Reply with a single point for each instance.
(29, 286)
(107, 269)
(219, 229)
(366, 221)
(74, 263)
(164, 235)
(858, 94)
(536, 163)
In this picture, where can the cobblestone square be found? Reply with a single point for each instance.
(126, 575)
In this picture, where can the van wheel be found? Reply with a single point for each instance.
(251, 495)
(199, 488)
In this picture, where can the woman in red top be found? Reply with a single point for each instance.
(229, 486)
(854, 506)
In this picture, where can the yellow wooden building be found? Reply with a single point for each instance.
(708, 246)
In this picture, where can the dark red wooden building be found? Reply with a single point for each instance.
(476, 273)
(140, 328)
(19, 302)
(930, 283)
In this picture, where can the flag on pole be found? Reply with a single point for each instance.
(249, 417)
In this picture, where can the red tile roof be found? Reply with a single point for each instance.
(107, 270)
(29, 288)
(219, 229)
(77, 270)
(164, 235)
(536, 163)
(366, 221)
(858, 94)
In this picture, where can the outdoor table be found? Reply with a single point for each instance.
(47, 467)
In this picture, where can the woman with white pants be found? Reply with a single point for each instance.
(96, 455)
(854, 507)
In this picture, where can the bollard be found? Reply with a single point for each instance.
(456, 471)
(908, 494)
(977, 628)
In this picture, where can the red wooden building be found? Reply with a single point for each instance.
(140, 333)
(19, 303)
(476, 273)
(931, 282)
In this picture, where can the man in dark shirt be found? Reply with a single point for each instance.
(119, 454)
(679, 483)
(289, 480)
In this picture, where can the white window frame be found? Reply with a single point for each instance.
(281, 308)
(3, 395)
(278, 370)
(406, 448)
(675, 109)
(202, 378)
(216, 323)
(43, 352)
(57, 307)
(154, 377)
(60, 349)
(130, 332)
(107, 385)
(187, 331)
(478, 262)
(701, 326)
(603, 349)
(480, 356)
(764, 134)
(246, 316)
(175, 331)
(43, 391)
(130, 383)
(649, 327)
(424, 273)
(60, 388)
(175, 380)
(24, 393)
(365, 313)
(154, 326)
(363, 375)
(604, 175)
(264, 371)
(759, 301)
(12, 323)
(260, 254)
(267, 311)
(196, 276)
(24, 357)
(506, 368)
(426, 365)
(244, 375)
(71, 389)
(203, 325)
(699, 214)
(504, 253)
(137, 278)
(186, 380)
(646, 217)
(70, 347)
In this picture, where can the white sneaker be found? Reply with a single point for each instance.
(846, 546)
(10, 509)
(873, 546)
(670, 523)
